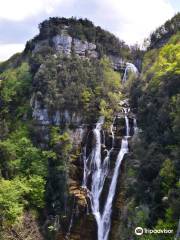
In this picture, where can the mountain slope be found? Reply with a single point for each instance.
(51, 93)
(155, 99)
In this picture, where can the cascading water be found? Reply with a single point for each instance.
(96, 170)
(103, 232)
(129, 68)
(135, 126)
(71, 221)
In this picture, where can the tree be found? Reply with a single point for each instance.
(11, 200)
(167, 173)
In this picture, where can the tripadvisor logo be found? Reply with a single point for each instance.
(139, 231)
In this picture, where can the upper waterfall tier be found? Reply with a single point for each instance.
(130, 67)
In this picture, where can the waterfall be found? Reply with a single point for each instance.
(112, 133)
(71, 220)
(96, 170)
(129, 68)
(127, 126)
(104, 229)
(135, 126)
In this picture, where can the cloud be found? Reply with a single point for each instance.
(130, 20)
(134, 20)
(18, 10)
(7, 50)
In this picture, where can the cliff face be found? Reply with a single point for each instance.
(66, 45)
(79, 37)
(66, 70)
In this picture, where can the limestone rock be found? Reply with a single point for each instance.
(40, 114)
(117, 62)
(62, 44)
(66, 45)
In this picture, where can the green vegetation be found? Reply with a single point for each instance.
(155, 96)
(34, 160)
(23, 166)
(11, 201)
(162, 34)
(92, 86)
(57, 191)
(23, 171)
(13, 62)
(82, 29)
(20, 157)
(15, 89)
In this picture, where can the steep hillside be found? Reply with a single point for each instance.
(152, 172)
(51, 96)
(162, 34)
(78, 32)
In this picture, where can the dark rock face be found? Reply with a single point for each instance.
(44, 117)
(117, 63)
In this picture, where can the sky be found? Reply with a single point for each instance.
(130, 20)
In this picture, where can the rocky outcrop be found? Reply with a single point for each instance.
(118, 63)
(83, 48)
(44, 116)
(40, 114)
(64, 44)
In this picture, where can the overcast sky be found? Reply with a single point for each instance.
(130, 20)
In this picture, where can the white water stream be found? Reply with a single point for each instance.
(96, 170)
(129, 68)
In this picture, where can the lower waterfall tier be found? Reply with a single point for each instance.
(101, 161)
